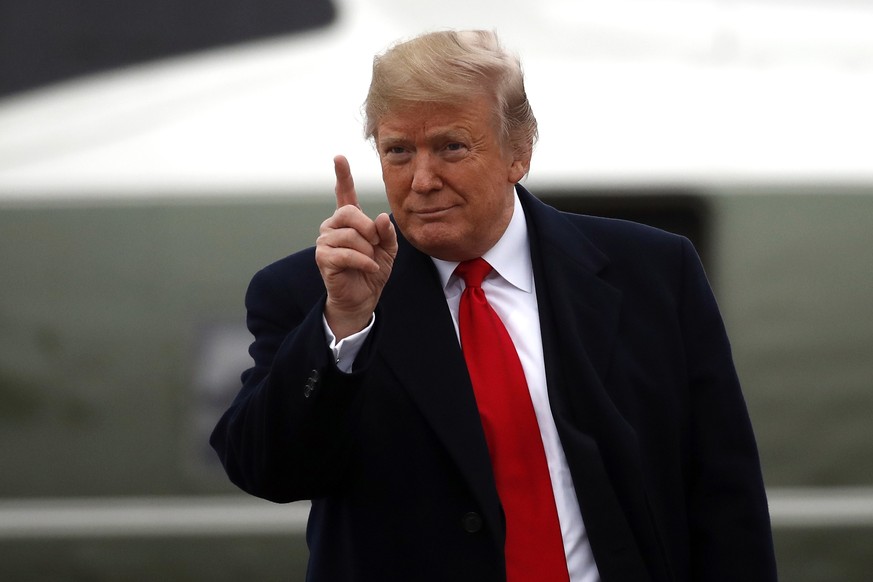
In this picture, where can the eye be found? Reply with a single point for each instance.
(395, 154)
(393, 147)
(455, 150)
(393, 150)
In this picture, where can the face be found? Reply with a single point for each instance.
(449, 178)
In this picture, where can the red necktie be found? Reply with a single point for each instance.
(534, 547)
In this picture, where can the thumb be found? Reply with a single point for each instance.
(387, 234)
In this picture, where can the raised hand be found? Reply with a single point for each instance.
(354, 255)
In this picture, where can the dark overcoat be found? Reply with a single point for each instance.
(641, 384)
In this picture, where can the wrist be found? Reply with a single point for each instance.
(345, 323)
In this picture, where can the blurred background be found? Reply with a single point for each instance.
(154, 155)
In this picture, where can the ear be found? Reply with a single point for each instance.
(519, 168)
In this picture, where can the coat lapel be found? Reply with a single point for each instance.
(422, 350)
(579, 315)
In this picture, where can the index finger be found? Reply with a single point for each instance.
(345, 184)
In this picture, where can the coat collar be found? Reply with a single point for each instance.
(567, 267)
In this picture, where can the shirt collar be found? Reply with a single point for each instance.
(510, 257)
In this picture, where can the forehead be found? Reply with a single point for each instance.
(474, 115)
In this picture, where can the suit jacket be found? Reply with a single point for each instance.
(641, 385)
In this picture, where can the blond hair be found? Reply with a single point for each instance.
(448, 67)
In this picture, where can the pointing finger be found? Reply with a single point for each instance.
(345, 185)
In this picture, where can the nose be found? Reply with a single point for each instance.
(425, 176)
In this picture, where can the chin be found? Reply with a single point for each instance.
(436, 247)
(447, 251)
(442, 241)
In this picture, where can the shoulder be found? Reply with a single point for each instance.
(641, 258)
(290, 281)
(622, 244)
(616, 239)
(613, 230)
(641, 261)
(300, 264)
(630, 241)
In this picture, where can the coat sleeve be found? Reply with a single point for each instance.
(285, 435)
(729, 522)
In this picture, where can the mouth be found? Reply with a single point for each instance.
(433, 212)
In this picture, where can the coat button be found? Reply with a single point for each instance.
(309, 388)
(472, 522)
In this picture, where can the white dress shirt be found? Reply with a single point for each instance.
(511, 292)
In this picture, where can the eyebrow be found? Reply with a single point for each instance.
(391, 140)
(442, 134)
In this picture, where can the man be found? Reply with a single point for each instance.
(371, 393)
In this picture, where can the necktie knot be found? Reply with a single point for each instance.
(473, 272)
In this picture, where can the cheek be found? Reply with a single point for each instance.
(394, 187)
(395, 202)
